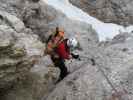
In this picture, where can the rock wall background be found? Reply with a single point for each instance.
(19, 49)
(114, 11)
(25, 74)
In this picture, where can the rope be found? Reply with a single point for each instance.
(100, 68)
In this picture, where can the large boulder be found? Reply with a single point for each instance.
(117, 11)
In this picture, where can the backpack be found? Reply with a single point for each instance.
(53, 41)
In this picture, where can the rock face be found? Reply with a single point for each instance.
(42, 18)
(110, 78)
(20, 77)
(10, 54)
(121, 61)
(14, 48)
(103, 72)
(81, 85)
(44, 21)
(117, 11)
(37, 84)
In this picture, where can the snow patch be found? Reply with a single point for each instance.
(104, 30)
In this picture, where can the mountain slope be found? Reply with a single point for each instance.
(104, 30)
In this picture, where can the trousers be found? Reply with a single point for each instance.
(60, 63)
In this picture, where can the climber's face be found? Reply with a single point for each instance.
(61, 33)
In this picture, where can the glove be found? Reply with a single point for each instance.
(75, 56)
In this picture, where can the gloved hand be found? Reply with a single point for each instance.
(75, 56)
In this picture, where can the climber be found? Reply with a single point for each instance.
(62, 50)
(53, 41)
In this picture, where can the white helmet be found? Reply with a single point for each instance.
(72, 42)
